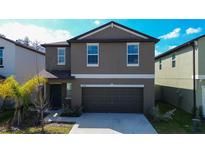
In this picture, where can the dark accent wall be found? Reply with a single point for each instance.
(51, 59)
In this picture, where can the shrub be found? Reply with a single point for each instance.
(72, 112)
(158, 116)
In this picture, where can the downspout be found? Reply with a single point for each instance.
(194, 78)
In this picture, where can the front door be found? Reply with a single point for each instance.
(55, 96)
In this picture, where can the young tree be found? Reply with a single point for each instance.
(19, 93)
(26, 41)
(40, 104)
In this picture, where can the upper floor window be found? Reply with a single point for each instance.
(173, 60)
(93, 54)
(61, 56)
(160, 64)
(132, 54)
(1, 56)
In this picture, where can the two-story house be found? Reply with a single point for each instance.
(21, 61)
(180, 75)
(107, 69)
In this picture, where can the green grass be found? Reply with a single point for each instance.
(52, 128)
(49, 129)
(180, 124)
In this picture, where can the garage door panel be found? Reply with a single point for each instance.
(129, 100)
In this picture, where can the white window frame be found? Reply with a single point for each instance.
(2, 57)
(68, 96)
(174, 60)
(59, 56)
(92, 44)
(131, 65)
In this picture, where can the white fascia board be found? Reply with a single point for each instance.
(131, 32)
(94, 32)
(113, 76)
(113, 25)
(113, 85)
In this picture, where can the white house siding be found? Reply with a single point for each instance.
(28, 63)
(8, 58)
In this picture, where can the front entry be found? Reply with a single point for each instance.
(55, 96)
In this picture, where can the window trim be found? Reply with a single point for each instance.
(58, 56)
(94, 44)
(174, 60)
(138, 45)
(2, 58)
(68, 97)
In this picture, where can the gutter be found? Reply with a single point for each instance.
(194, 77)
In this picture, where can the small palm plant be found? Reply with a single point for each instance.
(19, 93)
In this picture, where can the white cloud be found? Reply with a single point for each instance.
(173, 34)
(157, 52)
(16, 31)
(97, 22)
(171, 47)
(191, 30)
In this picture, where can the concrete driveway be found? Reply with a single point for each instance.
(108, 123)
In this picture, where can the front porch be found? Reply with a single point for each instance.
(58, 88)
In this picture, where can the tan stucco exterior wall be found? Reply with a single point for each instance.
(179, 76)
(175, 84)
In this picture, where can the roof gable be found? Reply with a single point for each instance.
(176, 49)
(113, 31)
(23, 46)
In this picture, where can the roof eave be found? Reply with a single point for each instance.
(112, 22)
(178, 47)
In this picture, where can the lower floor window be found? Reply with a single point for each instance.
(68, 90)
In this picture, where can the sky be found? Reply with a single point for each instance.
(171, 32)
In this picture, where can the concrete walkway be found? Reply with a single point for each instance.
(107, 123)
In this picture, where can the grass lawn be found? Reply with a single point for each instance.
(180, 124)
(53, 128)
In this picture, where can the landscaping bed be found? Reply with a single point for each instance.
(180, 124)
(51, 128)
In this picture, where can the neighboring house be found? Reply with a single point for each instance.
(21, 61)
(175, 73)
(107, 69)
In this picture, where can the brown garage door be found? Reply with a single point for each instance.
(119, 100)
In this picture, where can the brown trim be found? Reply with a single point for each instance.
(108, 40)
(55, 45)
(189, 43)
(23, 46)
(112, 22)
